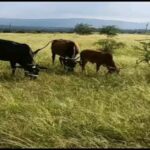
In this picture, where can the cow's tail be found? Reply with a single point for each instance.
(35, 52)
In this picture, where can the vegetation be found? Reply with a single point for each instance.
(83, 29)
(68, 110)
(109, 30)
(22, 29)
(109, 44)
(145, 52)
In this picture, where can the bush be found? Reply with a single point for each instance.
(109, 30)
(38, 31)
(20, 31)
(83, 29)
(6, 31)
(109, 45)
(145, 52)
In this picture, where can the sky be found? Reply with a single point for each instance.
(125, 11)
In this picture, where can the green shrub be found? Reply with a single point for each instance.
(145, 52)
(109, 30)
(83, 29)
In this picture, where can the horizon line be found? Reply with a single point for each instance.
(76, 18)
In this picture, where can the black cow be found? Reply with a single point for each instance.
(18, 53)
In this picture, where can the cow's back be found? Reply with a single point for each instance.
(64, 47)
(90, 55)
(100, 58)
(10, 50)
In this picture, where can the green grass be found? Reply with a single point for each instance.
(75, 109)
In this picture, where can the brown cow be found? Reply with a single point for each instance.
(64, 48)
(100, 58)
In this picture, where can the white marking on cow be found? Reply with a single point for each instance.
(33, 75)
(33, 66)
(74, 48)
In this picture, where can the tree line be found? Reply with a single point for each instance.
(88, 29)
(81, 28)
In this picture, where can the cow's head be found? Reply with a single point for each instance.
(69, 63)
(111, 66)
(32, 70)
(113, 69)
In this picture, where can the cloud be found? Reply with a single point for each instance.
(129, 11)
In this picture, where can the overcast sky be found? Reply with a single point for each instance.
(127, 11)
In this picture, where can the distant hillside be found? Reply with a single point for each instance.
(70, 23)
(12, 28)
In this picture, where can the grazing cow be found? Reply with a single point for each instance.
(64, 48)
(100, 58)
(69, 63)
(17, 53)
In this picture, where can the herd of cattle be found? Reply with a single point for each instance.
(21, 56)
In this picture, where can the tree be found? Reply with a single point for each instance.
(109, 45)
(109, 31)
(83, 29)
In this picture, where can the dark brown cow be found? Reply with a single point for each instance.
(100, 58)
(63, 48)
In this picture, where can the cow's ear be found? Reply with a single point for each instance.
(77, 57)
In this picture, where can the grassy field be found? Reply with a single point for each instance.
(75, 109)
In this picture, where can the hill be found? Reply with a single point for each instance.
(70, 23)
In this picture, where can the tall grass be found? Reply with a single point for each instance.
(75, 109)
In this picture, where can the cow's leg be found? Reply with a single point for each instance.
(97, 68)
(83, 65)
(24, 66)
(61, 60)
(53, 57)
(13, 66)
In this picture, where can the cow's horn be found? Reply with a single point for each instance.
(77, 58)
(78, 61)
(41, 67)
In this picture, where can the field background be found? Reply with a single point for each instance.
(75, 109)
